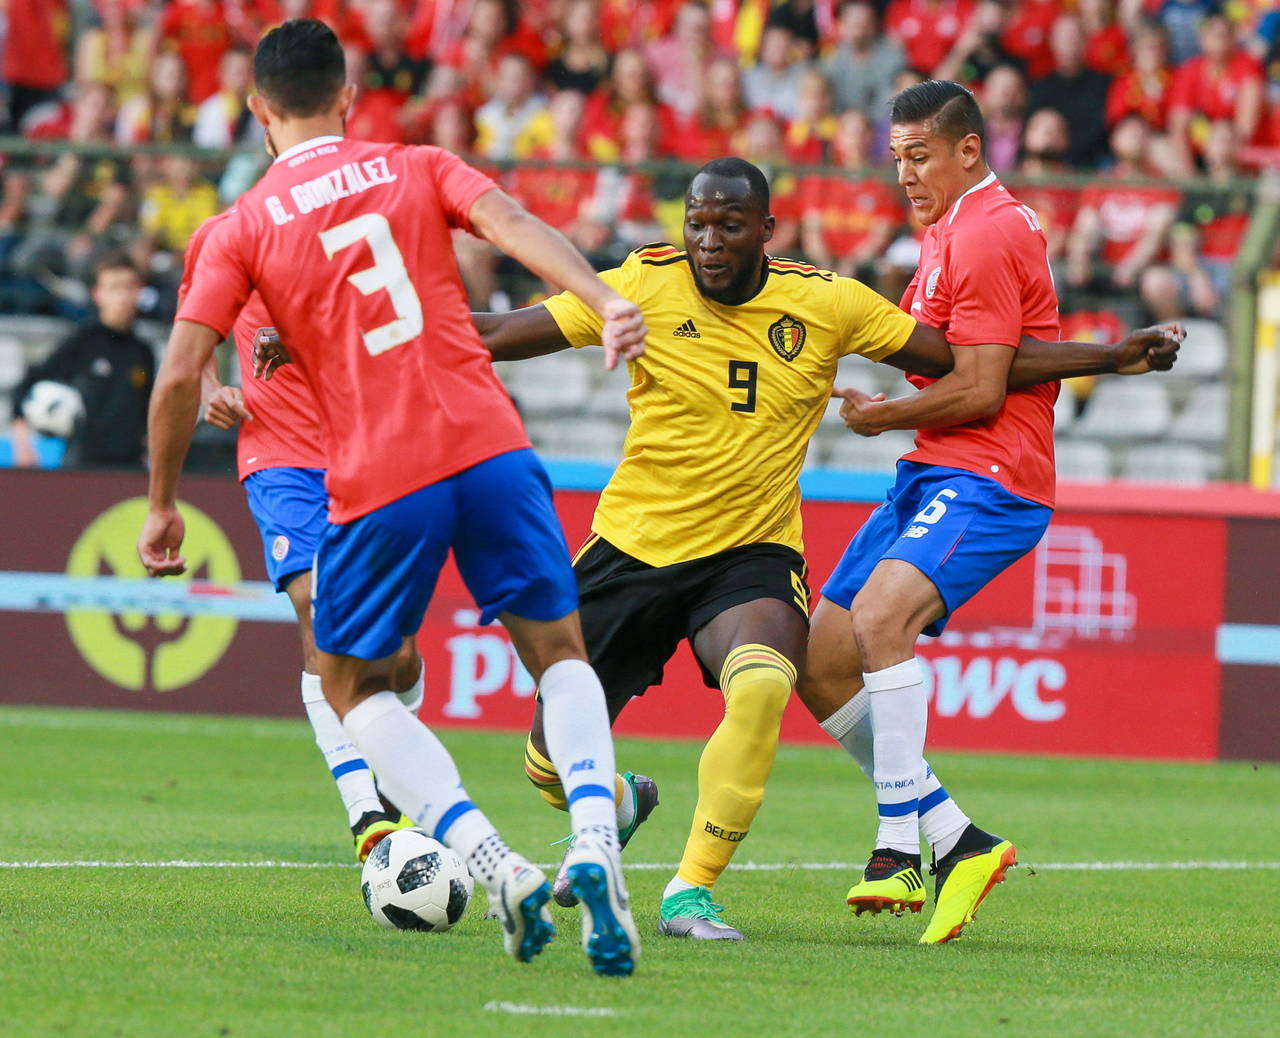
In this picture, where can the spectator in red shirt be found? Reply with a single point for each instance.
(1106, 49)
(35, 54)
(678, 60)
(388, 76)
(1224, 82)
(849, 218)
(626, 23)
(763, 145)
(198, 31)
(1028, 32)
(809, 133)
(1124, 226)
(1144, 89)
(1045, 140)
(927, 29)
(582, 61)
(1004, 107)
(620, 211)
(713, 129)
(629, 82)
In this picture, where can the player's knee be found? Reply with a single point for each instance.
(757, 683)
(878, 628)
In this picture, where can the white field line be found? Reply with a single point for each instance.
(522, 1009)
(659, 866)
(75, 721)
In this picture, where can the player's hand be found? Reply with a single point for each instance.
(160, 541)
(858, 410)
(624, 332)
(226, 407)
(268, 353)
(1149, 349)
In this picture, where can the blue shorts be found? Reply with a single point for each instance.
(375, 575)
(291, 508)
(957, 528)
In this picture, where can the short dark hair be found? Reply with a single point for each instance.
(299, 67)
(953, 109)
(733, 168)
(115, 259)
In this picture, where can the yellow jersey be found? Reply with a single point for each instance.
(724, 400)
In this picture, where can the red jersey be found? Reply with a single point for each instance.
(285, 431)
(1124, 213)
(1199, 87)
(350, 246)
(984, 278)
(927, 29)
(200, 33)
(35, 54)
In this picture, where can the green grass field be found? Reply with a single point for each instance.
(112, 949)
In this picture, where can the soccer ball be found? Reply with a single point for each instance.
(412, 882)
(53, 408)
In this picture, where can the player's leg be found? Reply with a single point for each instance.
(291, 509)
(374, 578)
(512, 556)
(755, 648)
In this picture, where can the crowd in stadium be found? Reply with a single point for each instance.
(1161, 89)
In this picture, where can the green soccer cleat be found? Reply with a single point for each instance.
(692, 913)
(645, 791)
(965, 878)
(372, 827)
(891, 882)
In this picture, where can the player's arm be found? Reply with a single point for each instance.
(175, 404)
(501, 220)
(528, 332)
(973, 389)
(927, 352)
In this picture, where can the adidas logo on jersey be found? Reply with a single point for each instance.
(687, 330)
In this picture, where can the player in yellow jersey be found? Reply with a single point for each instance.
(698, 533)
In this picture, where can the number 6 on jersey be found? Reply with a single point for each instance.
(387, 273)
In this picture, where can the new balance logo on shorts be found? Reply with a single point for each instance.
(583, 765)
(687, 330)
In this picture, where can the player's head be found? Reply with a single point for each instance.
(726, 226)
(300, 73)
(936, 137)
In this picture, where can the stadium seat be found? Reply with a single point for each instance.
(578, 439)
(1204, 351)
(857, 373)
(869, 454)
(1084, 461)
(1168, 463)
(1064, 411)
(1203, 419)
(13, 363)
(1126, 409)
(554, 385)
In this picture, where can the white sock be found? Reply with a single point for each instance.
(416, 772)
(941, 820)
(579, 743)
(412, 696)
(350, 771)
(850, 726)
(899, 717)
(675, 886)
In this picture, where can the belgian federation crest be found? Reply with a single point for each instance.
(786, 336)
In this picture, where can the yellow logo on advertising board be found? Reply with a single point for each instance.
(134, 648)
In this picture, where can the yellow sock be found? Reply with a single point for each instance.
(736, 762)
(542, 773)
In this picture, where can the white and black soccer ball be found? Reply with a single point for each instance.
(412, 882)
(53, 408)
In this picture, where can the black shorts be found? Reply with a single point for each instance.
(634, 614)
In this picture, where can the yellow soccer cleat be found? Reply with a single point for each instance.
(963, 882)
(372, 827)
(891, 882)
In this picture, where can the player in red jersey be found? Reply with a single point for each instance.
(281, 466)
(975, 495)
(349, 246)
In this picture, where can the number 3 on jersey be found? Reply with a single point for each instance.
(387, 273)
